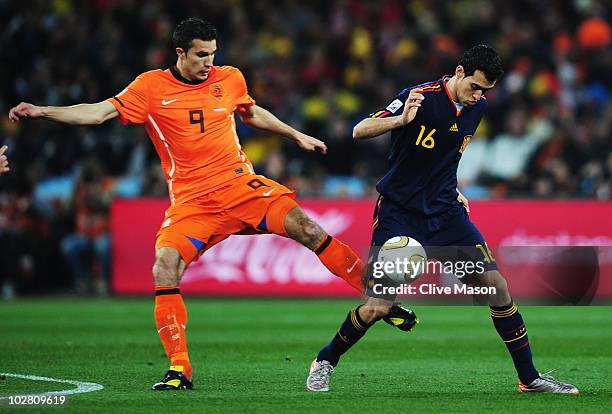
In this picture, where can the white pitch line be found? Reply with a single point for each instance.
(81, 386)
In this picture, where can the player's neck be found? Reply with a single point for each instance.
(451, 85)
(183, 74)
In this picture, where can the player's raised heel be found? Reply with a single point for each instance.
(402, 318)
(546, 383)
(173, 380)
(319, 376)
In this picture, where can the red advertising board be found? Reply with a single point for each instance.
(268, 265)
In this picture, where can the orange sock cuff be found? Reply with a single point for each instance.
(167, 290)
(342, 261)
(323, 245)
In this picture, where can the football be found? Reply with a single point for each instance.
(402, 259)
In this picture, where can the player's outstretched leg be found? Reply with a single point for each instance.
(352, 330)
(511, 328)
(286, 218)
(171, 319)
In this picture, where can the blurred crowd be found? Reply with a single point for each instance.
(320, 66)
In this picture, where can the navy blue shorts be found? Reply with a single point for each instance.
(448, 236)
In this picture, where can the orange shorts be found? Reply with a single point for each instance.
(249, 204)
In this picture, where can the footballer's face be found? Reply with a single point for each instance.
(195, 64)
(470, 89)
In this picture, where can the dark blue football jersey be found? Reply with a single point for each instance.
(425, 154)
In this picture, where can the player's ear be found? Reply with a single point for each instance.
(459, 71)
(180, 52)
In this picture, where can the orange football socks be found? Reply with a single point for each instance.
(171, 320)
(342, 261)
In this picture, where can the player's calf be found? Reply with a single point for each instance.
(302, 229)
(374, 310)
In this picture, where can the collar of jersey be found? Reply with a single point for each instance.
(450, 98)
(177, 75)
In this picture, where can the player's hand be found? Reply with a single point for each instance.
(412, 105)
(3, 160)
(25, 110)
(308, 143)
(461, 198)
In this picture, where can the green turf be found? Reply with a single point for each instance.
(253, 356)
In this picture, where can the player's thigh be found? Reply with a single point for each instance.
(390, 221)
(461, 239)
(188, 230)
(268, 207)
(286, 218)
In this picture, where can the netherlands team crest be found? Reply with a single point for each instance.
(217, 90)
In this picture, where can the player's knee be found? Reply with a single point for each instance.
(501, 297)
(166, 268)
(495, 279)
(165, 275)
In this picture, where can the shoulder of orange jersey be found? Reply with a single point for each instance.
(151, 74)
(226, 68)
(228, 71)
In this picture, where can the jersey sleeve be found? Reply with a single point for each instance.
(395, 107)
(132, 102)
(243, 98)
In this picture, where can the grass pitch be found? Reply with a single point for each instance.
(253, 356)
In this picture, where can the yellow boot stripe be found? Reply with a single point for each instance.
(174, 382)
(396, 321)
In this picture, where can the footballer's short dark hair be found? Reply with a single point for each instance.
(192, 28)
(483, 58)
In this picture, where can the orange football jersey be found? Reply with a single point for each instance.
(192, 126)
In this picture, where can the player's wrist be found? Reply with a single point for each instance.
(294, 135)
(400, 121)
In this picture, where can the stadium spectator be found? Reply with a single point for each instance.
(87, 250)
(4, 166)
(318, 65)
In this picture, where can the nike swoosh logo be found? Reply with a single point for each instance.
(267, 193)
(164, 102)
(350, 269)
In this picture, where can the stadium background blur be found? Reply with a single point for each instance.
(320, 66)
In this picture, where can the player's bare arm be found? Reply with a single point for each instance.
(81, 114)
(463, 200)
(260, 118)
(3, 160)
(373, 127)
